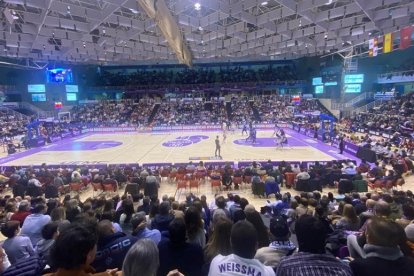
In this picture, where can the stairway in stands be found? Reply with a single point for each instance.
(324, 110)
(255, 112)
(229, 110)
(153, 113)
(208, 106)
(25, 111)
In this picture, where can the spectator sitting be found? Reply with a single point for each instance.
(16, 247)
(74, 251)
(49, 235)
(112, 247)
(280, 247)
(195, 227)
(409, 232)
(303, 175)
(163, 219)
(349, 220)
(383, 255)
(219, 242)
(22, 213)
(176, 253)
(140, 230)
(256, 220)
(142, 259)
(244, 243)
(34, 223)
(311, 258)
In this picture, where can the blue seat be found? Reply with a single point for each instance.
(271, 188)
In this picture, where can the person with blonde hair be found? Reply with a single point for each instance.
(349, 220)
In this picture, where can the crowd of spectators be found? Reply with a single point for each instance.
(143, 234)
(107, 113)
(189, 112)
(12, 125)
(405, 69)
(236, 74)
(391, 117)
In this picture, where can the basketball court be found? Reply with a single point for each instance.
(174, 147)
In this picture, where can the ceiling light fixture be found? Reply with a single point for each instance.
(200, 28)
(134, 11)
(197, 6)
(264, 3)
(326, 36)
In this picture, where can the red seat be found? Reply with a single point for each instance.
(181, 184)
(215, 183)
(195, 184)
(96, 187)
(237, 180)
(75, 187)
(290, 179)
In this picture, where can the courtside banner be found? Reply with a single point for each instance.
(351, 148)
(113, 129)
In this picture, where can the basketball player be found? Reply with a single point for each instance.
(277, 131)
(253, 134)
(224, 136)
(217, 147)
(244, 129)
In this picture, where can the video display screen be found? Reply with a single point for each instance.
(354, 78)
(352, 88)
(72, 88)
(38, 97)
(59, 75)
(70, 97)
(317, 81)
(319, 89)
(36, 88)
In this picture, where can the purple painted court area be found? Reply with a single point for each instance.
(268, 143)
(82, 145)
(296, 139)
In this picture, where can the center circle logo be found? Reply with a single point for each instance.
(183, 141)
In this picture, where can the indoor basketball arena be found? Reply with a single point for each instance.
(195, 137)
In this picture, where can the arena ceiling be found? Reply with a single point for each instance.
(119, 31)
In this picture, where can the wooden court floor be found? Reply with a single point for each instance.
(115, 148)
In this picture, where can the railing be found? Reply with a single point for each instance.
(396, 74)
(367, 107)
(41, 114)
(14, 113)
(350, 104)
(200, 86)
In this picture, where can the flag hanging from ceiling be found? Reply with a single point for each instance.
(373, 47)
(387, 43)
(405, 37)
